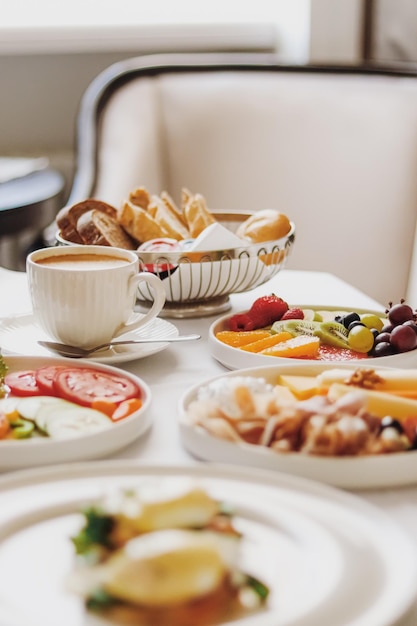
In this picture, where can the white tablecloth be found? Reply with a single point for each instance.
(170, 372)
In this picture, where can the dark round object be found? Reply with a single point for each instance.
(383, 349)
(383, 337)
(355, 323)
(391, 422)
(400, 313)
(403, 338)
(349, 318)
(387, 328)
(411, 324)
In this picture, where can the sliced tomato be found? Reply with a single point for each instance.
(83, 385)
(23, 383)
(45, 378)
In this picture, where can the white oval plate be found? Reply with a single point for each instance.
(20, 335)
(21, 453)
(363, 472)
(234, 358)
(312, 545)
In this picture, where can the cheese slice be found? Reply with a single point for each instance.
(302, 387)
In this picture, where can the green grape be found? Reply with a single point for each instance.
(361, 339)
(372, 321)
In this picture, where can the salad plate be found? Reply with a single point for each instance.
(311, 544)
(235, 358)
(20, 335)
(350, 472)
(42, 450)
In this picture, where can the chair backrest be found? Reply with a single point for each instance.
(335, 148)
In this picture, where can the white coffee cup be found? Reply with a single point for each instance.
(85, 295)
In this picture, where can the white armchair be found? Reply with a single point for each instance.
(335, 148)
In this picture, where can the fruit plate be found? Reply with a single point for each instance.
(20, 453)
(325, 542)
(234, 358)
(350, 472)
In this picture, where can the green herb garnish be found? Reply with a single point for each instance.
(261, 589)
(96, 531)
(100, 600)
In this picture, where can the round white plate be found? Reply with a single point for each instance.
(233, 358)
(362, 472)
(21, 453)
(312, 545)
(20, 335)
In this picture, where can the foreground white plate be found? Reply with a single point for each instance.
(233, 358)
(16, 454)
(20, 335)
(362, 472)
(313, 545)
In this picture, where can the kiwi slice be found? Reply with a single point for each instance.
(296, 327)
(333, 334)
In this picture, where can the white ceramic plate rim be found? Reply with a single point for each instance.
(365, 472)
(18, 454)
(395, 549)
(158, 328)
(234, 358)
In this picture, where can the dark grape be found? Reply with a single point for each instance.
(403, 338)
(383, 337)
(387, 328)
(383, 349)
(400, 313)
(391, 422)
(347, 319)
(355, 323)
(411, 324)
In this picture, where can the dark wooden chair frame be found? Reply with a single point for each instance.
(107, 82)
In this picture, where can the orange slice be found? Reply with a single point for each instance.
(241, 338)
(301, 346)
(267, 342)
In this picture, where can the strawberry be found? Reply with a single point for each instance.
(241, 321)
(263, 312)
(293, 314)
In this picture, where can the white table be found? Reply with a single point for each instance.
(170, 372)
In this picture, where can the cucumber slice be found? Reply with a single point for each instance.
(22, 429)
(29, 407)
(44, 409)
(8, 405)
(66, 420)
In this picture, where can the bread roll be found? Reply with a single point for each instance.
(167, 219)
(140, 197)
(139, 223)
(171, 206)
(98, 228)
(68, 217)
(197, 215)
(265, 225)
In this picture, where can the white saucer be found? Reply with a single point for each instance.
(20, 335)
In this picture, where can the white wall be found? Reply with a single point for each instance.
(44, 71)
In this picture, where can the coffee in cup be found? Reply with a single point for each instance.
(85, 295)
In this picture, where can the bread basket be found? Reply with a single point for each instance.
(198, 284)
